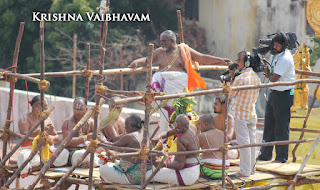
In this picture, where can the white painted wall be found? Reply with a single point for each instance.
(234, 25)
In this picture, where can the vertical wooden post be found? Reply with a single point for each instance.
(97, 97)
(147, 100)
(42, 69)
(75, 37)
(224, 154)
(121, 66)
(88, 68)
(304, 124)
(305, 161)
(14, 70)
(180, 26)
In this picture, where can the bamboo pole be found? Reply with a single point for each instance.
(305, 130)
(309, 73)
(219, 90)
(121, 65)
(123, 149)
(155, 172)
(75, 37)
(17, 135)
(180, 26)
(277, 184)
(120, 155)
(294, 158)
(117, 71)
(101, 68)
(25, 137)
(23, 77)
(148, 101)
(74, 131)
(88, 68)
(225, 139)
(73, 167)
(315, 143)
(30, 157)
(14, 70)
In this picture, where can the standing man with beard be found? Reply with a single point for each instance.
(219, 118)
(175, 70)
(280, 100)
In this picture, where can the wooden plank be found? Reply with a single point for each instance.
(286, 169)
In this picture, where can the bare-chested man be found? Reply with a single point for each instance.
(174, 72)
(78, 143)
(25, 124)
(128, 170)
(113, 131)
(211, 137)
(218, 119)
(184, 170)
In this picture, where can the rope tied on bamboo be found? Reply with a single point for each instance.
(8, 121)
(3, 173)
(43, 84)
(96, 110)
(101, 89)
(226, 88)
(45, 114)
(87, 73)
(94, 144)
(5, 136)
(46, 183)
(224, 148)
(148, 97)
(105, 9)
(45, 137)
(8, 78)
(144, 154)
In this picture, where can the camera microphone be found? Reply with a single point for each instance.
(231, 67)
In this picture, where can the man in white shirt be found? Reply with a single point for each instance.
(277, 115)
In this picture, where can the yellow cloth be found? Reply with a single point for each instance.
(46, 154)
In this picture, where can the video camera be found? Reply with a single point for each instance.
(267, 44)
(256, 57)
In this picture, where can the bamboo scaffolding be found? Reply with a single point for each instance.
(305, 130)
(121, 65)
(88, 77)
(180, 26)
(23, 77)
(155, 172)
(121, 155)
(74, 131)
(220, 90)
(315, 143)
(309, 73)
(17, 135)
(30, 157)
(305, 124)
(277, 184)
(14, 70)
(74, 79)
(73, 167)
(42, 69)
(225, 139)
(101, 68)
(116, 71)
(148, 99)
(25, 137)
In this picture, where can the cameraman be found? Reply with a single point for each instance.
(277, 115)
(245, 117)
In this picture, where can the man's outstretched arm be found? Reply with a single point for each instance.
(205, 59)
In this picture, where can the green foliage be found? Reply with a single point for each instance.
(315, 55)
(58, 35)
(182, 106)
